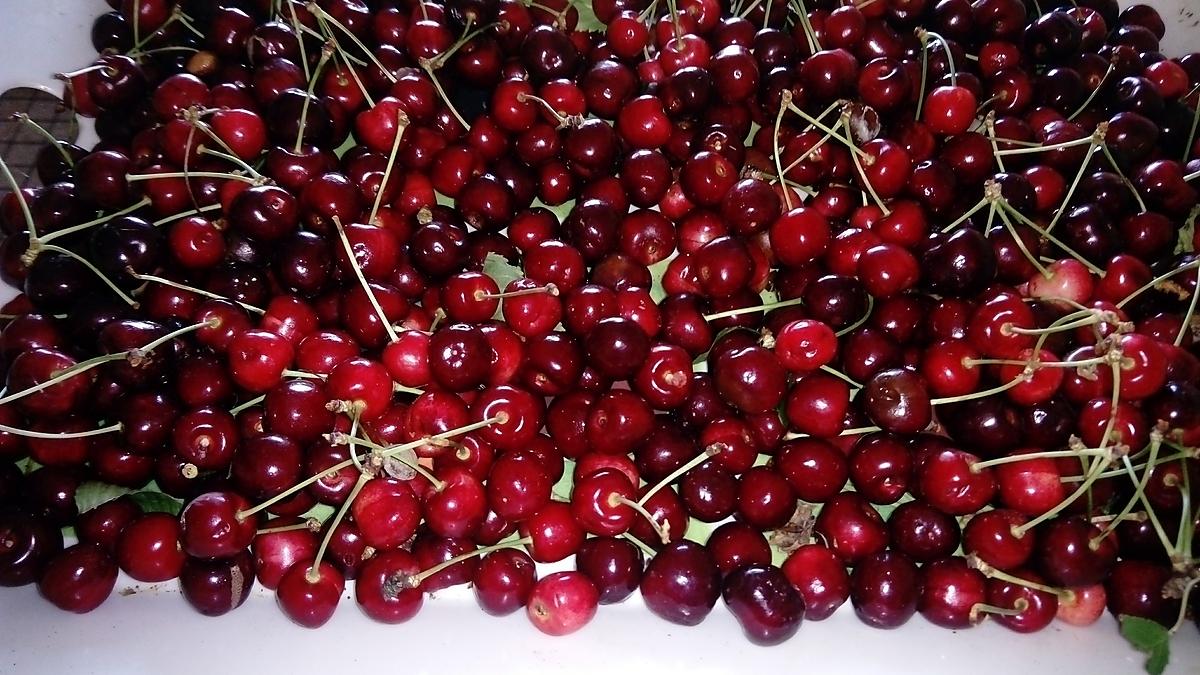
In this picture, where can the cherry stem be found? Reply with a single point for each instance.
(399, 388)
(756, 308)
(415, 580)
(416, 466)
(133, 178)
(233, 159)
(64, 434)
(299, 40)
(925, 36)
(785, 100)
(1081, 323)
(247, 405)
(327, 18)
(41, 131)
(1137, 196)
(186, 214)
(563, 120)
(989, 124)
(854, 431)
(86, 263)
(192, 289)
(646, 548)
(1051, 238)
(1047, 148)
(859, 167)
(1062, 208)
(468, 35)
(842, 376)
(1012, 229)
(1192, 176)
(84, 71)
(548, 289)
(1183, 605)
(925, 80)
(1098, 463)
(362, 279)
(349, 66)
(1154, 521)
(662, 530)
(694, 462)
(810, 35)
(1132, 467)
(1186, 520)
(310, 524)
(326, 52)
(970, 212)
(832, 133)
(1019, 605)
(314, 575)
(401, 125)
(976, 467)
(1185, 326)
(1195, 264)
(145, 201)
(816, 146)
(1187, 149)
(66, 374)
(970, 363)
(863, 319)
(442, 92)
(1095, 91)
(20, 196)
(993, 573)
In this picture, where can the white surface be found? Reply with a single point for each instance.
(154, 631)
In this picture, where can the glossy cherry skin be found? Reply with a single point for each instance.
(764, 602)
(950, 590)
(28, 541)
(681, 583)
(79, 579)
(614, 565)
(212, 528)
(379, 591)
(562, 603)
(310, 600)
(852, 527)
(885, 589)
(1039, 610)
(149, 548)
(216, 587)
(504, 581)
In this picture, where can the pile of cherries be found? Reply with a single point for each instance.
(419, 294)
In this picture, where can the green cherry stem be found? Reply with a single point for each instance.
(313, 574)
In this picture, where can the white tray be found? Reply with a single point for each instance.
(153, 631)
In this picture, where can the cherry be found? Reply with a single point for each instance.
(308, 592)
(989, 535)
(79, 578)
(378, 591)
(735, 544)
(1035, 609)
(922, 532)
(28, 541)
(852, 527)
(504, 581)
(562, 603)
(216, 587)
(276, 551)
(1071, 553)
(885, 589)
(387, 512)
(950, 590)
(212, 525)
(764, 602)
(149, 548)
(681, 583)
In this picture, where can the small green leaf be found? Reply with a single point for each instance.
(28, 466)
(92, 494)
(1185, 243)
(1150, 638)
(566, 484)
(152, 501)
(588, 23)
(321, 512)
(500, 270)
(657, 270)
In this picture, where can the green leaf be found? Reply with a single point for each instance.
(92, 494)
(152, 501)
(503, 273)
(1185, 243)
(28, 466)
(321, 512)
(588, 23)
(657, 270)
(1150, 638)
(566, 484)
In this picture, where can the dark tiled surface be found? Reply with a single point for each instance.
(19, 144)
